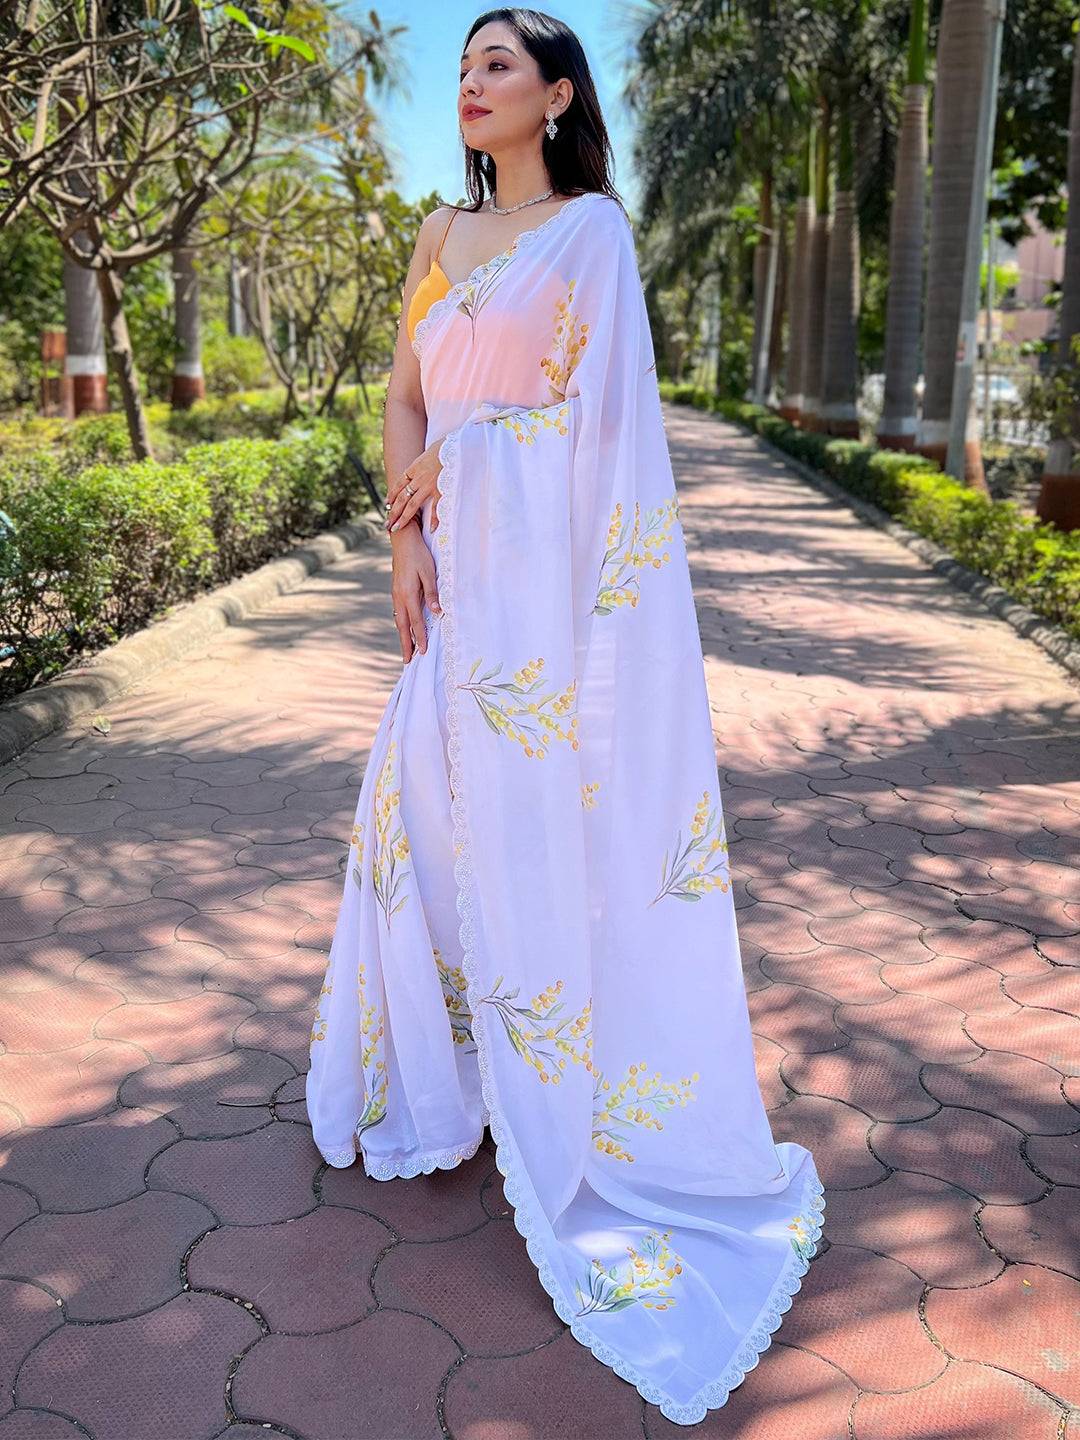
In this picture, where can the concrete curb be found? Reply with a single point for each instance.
(1056, 641)
(102, 677)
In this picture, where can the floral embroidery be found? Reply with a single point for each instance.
(539, 1036)
(358, 841)
(646, 1279)
(391, 843)
(570, 338)
(318, 1029)
(588, 794)
(626, 555)
(455, 994)
(503, 716)
(371, 1061)
(527, 424)
(801, 1242)
(687, 879)
(476, 295)
(640, 1099)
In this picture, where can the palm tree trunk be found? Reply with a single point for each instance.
(962, 42)
(783, 269)
(187, 381)
(817, 276)
(840, 364)
(799, 288)
(1059, 493)
(762, 257)
(898, 426)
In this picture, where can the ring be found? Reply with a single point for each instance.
(409, 490)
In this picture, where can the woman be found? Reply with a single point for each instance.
(537, 930)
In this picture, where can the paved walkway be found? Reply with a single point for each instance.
(902, 774)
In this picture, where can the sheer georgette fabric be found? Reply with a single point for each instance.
(537, 927)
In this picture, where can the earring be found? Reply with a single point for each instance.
(550, 127)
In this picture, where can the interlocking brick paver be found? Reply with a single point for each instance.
(924, 1223)
(376, 1380)
(159, 1374)
(112, 1261)
(1027, 1321)
(967, 1400)
(901, 777)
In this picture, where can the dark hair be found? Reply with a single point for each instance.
(578, 159)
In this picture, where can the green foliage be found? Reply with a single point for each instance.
(1034, 561)
(96, 549)
(231, 363)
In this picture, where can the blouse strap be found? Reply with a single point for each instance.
(445, 233)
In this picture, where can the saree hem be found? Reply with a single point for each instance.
(423, 1163)
(517, 1188)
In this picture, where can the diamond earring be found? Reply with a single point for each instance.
(550, 127)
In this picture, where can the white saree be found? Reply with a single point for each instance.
(537, 929)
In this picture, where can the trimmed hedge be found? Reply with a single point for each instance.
(1032, 560)
(93, 551)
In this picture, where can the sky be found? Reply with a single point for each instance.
(419, 125)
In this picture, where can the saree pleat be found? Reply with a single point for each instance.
(537, 930)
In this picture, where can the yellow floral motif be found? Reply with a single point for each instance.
(527, 424)
(455, 994)
(640, 1099)
(689, 878)
(533, 723)
(373, 1065)
(358, 841)
(588, 794)
(318, 1029)
(626, 554)
(644, 1278)
(391, 843)
(800, 1239)
(570, 338)
(538, 1034)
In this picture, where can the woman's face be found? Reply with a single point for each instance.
(502, 98)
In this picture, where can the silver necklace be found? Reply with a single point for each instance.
(499, 210)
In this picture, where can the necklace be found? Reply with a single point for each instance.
(499, 210)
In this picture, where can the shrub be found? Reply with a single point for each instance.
(1034, 561)
(93, 552)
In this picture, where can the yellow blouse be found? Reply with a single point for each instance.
(432, 287)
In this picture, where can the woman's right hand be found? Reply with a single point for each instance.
(413, 583)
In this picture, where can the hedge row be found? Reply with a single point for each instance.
(90, 553)
(1034, 561)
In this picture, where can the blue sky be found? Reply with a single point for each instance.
(419, 126)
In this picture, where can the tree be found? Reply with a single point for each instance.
(907, 242)
(1059, 493)
(961, 45)
(839, 365)
(799, 289)
(119, 122)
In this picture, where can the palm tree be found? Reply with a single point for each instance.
(961, 46)
(1059, 493)
(907, 240)
(816, 281)
(839, 363)
(799, 288)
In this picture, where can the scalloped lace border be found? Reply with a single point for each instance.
(812, 1203)
(454, 294)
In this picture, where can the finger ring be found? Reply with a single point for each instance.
(409, 490)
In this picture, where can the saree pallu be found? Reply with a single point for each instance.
(537, 929)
